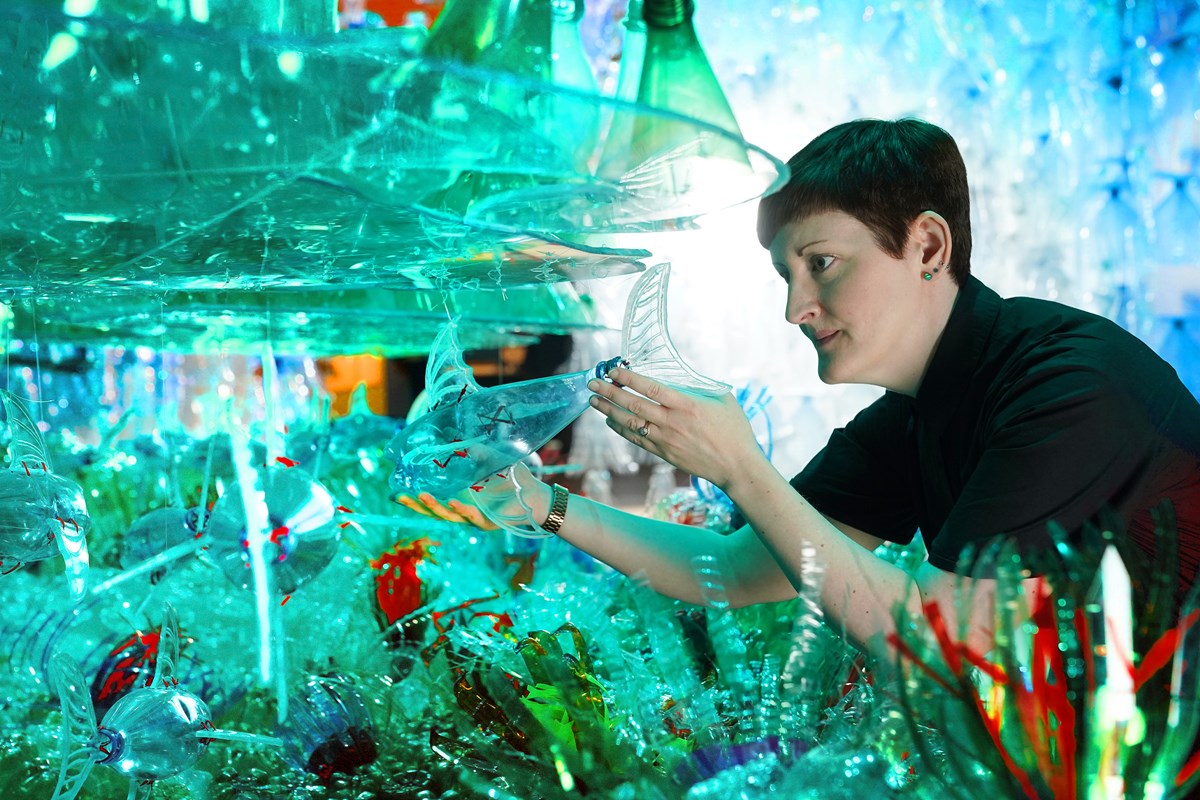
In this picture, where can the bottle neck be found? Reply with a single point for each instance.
(667, 13)
(113, 745)
(605, 367)
(567, 10)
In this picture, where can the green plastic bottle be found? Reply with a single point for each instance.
(675, 75)
(529, 40)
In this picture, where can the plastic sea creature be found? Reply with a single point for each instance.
(123, 662)
(41, 514)
(471, 435)
(152, 733)
(399, 590)
(329, 728)
(303, 533)
(161, 530)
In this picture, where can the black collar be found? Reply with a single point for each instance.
(957, 358)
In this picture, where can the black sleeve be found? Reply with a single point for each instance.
(862, 477)
(1064, 444)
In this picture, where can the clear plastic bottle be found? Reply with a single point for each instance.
(493, 430)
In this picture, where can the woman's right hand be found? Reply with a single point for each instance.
(709, 437)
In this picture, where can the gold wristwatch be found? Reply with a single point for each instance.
(558, 510)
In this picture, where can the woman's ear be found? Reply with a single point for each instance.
(930, 236)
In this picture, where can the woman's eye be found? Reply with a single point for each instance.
(820, 263)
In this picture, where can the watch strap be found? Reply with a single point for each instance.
(558, 509)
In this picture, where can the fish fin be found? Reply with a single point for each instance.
(447, 377)
(72, 543)
(168, 648)
(436, 454)
(497, 501)
(27, 445)
(78, 735)
(647, 346)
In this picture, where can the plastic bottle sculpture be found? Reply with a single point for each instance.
(472, 435)
(329, 728)
(301, 525)
(158, 531)
(526, 47)
(41, 514)
(150, 734)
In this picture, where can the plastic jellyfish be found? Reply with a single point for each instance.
(41, 514)
(471, 434)
(150, 734)
(328, 728)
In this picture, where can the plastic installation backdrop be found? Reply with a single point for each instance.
(185, 205)
(1078, 124)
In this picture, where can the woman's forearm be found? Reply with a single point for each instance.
(860, 591)
(665, 553)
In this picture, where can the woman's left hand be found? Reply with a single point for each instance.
(709, 437)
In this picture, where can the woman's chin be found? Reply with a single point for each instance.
(829, 375)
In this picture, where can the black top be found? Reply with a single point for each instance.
(1031, 411)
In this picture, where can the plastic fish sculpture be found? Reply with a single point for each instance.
(41, 514)
(163, 537)
(170, 529)
(471, 435)
(154, 732)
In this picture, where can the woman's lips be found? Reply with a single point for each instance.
(822, 338)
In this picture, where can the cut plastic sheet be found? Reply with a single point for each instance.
(345, 245)
(393, 324)
(195, 157)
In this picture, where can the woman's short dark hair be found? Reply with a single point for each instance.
(884, 174)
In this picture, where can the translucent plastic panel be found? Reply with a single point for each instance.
(187, 156)
(317, 323)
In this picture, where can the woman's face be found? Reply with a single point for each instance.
(862, 309)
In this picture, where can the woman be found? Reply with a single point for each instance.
(1000, 416)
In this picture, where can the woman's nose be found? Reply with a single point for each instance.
(801, 303)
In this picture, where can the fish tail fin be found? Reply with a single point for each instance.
(27, 443)
(168, 647)
(79, 746)
(72, 544)
(501, 499)
(647, 346)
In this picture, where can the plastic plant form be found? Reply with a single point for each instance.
(222, 159)
(649, 697)
(148, 735)
(471, 435)
(42, 515)
(545, 727)
(1081, 698)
